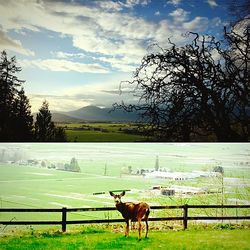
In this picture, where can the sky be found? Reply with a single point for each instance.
(75, 53)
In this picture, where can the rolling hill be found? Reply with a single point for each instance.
(62, 118)
(94, 114)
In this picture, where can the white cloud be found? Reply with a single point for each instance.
(198, 24)
(56, 102)
(100, 29)
(65, 55)
(103, 93)
(91, 29)
(124, 64)
(63, 65)
(175, 32)
(119, 5)
(94, 44)
(7, 43)
(174, 2)
(157, 13)
(180, 15)
(212, 3)
(132, 3)
(110, 5)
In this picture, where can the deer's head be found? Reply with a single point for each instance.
(117, 197)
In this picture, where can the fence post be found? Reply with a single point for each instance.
(185, 216)
(64, 219)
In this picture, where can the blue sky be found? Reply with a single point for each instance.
(75, 53)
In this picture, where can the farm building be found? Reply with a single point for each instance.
(176, 189)
(179, 175)
(168, 191)
(206, 173)
(187, 189)
(157, 190)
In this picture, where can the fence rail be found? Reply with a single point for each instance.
(64, 222)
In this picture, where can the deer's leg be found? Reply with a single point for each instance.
(127, 228)
(139, 229)
(146, 221)
(132, 225)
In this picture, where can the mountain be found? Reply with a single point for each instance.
(96, 114)
(59, 117)
(92, 114)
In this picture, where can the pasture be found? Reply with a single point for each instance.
(104, 168)
(49, 188)
(101, 132)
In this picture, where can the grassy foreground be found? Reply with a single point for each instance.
(109, 239)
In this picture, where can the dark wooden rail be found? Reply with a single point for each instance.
(64, 222)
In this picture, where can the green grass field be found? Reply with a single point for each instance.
(103, 168)
(109, 239)
(33, 187)
(100, 132)
(24, 186)
(97, 136)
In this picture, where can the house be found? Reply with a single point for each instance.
(179, 176)
(172, 175)
(187, 190)
(167, 191)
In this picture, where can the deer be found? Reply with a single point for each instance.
(132, 211)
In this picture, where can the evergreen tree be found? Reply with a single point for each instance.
(59, 134)
(23, 118)
(16, 119)
(45, 129)
(218, 169)
(74, 165)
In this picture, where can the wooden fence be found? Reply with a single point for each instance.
(64, 222)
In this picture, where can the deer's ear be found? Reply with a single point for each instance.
(111, 193)
(123, 193)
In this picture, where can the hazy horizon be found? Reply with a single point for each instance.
(200, 154)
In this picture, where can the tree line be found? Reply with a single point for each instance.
(73, 166)
(17, 123)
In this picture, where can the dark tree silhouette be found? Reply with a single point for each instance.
(15, 117)
(59, 134)
(199, 91)
(45, 129)
(23, 122)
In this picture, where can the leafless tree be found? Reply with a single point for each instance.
(199, 91)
